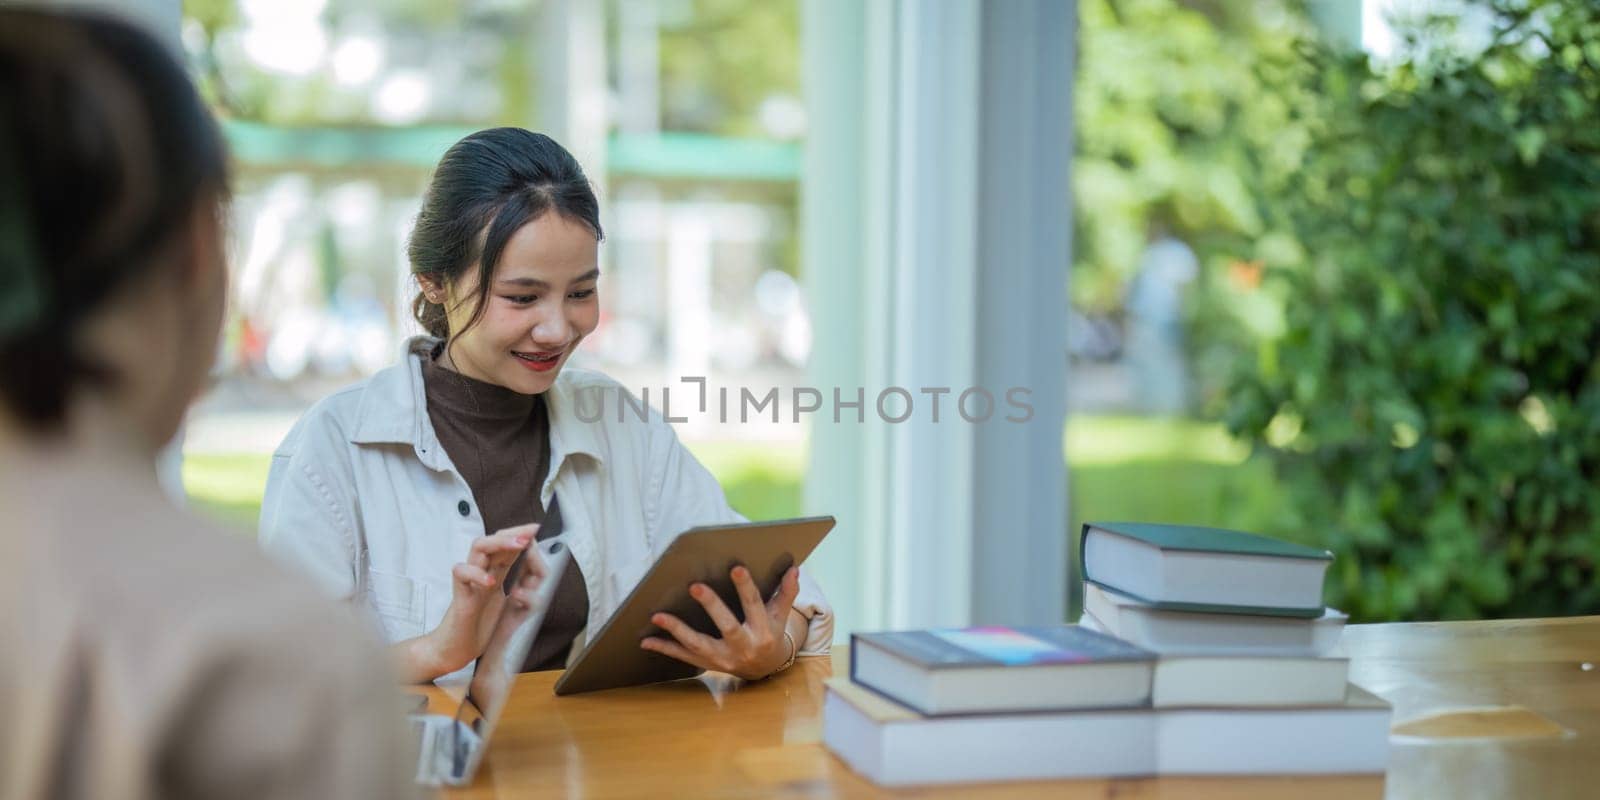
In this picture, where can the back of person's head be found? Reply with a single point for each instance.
(486, 187)
(109, 166)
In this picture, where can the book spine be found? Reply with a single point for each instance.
(1083, 541)
(856, 644)
(1309, 613)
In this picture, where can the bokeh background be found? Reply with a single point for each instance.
(1335, 271)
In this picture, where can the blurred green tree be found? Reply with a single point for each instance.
(1433, 407)
(490, 47)
(721, 60)
(1177, 120)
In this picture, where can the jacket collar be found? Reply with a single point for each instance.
(394, 410)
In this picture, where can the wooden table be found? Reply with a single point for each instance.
(704, 739)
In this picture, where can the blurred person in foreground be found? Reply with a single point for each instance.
(143, 653)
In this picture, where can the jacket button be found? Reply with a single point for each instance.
(463, 508)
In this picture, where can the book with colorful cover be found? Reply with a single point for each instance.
(994, 668)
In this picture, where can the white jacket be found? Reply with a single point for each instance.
(362, 497)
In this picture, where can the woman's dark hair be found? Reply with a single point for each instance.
(485, 189)
(106, 154)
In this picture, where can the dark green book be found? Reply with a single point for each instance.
(1190, 568)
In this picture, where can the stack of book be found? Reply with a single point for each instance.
(1201, 651)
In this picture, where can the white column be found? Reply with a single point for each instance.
(932, 334)
(689, 241)
(832, 207)
(639, 67)
(572, 82)
(936, 251)
(1020, 536)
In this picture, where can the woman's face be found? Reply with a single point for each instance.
(543, 300)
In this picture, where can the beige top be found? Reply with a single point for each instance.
(145, 653)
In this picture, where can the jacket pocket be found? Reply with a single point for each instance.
(400, 602)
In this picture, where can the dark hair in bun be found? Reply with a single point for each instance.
(106, 153)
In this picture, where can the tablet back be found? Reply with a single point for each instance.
(706, 555)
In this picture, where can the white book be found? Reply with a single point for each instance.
(892, 746)
(1348, 739)
(1197, 633)
(1242, 681)
(1234, 681)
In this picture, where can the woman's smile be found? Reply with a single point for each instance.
(542, 361)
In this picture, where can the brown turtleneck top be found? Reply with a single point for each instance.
(499, 440)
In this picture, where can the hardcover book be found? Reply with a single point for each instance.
(990, 669)
(1190, 568)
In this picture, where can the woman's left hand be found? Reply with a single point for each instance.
(751, 650)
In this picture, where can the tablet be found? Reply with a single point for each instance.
(705, 555)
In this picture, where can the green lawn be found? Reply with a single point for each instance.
(1120, 468)
(228, 486)
(762, 482)
(1135, 468)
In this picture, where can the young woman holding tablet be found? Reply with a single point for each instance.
(384, 492)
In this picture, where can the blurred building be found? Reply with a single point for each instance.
(337, 111)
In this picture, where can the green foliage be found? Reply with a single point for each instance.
(1180, 115)
(720, 59)
(1433, 408)
(1172, 122)
(493, 43)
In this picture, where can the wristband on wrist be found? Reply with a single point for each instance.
(794, 650)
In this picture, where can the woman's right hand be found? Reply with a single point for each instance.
(477, 596)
